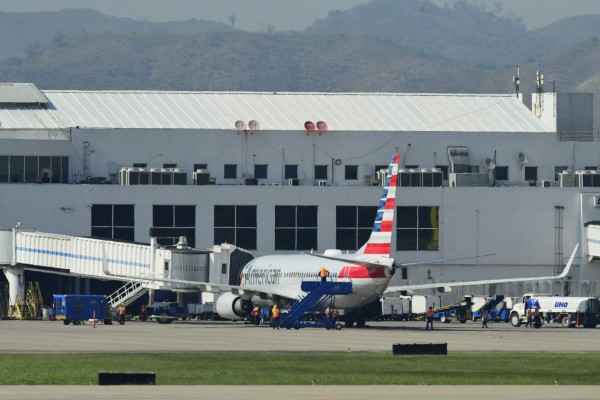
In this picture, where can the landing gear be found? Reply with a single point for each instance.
(355, 317)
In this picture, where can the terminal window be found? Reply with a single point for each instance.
(321, 172)
(501, 173)
(291, 171)
(354, 225)
(230, 171)
(236, 225)
(558, 170)
(296, 227)
(417, 228)
(260, 171)
(34, 169)
(531, 173)
(351, 172)
(169, 222)
(113, 221)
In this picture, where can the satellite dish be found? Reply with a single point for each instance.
(489, 163)
(522, 158)
(322, 126)
(309, 126)
(254, 126)
(240, 125)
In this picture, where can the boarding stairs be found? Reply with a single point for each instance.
(126, 295)
(319, 296)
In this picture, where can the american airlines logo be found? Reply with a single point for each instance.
(260, 276)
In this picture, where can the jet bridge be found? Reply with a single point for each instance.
(22, 249)
(592, 232)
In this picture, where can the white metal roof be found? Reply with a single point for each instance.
(21, 93)
(289, 111)
(26, 118)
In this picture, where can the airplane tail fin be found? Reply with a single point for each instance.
(380, 241)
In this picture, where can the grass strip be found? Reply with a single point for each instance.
(295, 368)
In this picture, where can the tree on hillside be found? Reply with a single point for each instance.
(231, 18)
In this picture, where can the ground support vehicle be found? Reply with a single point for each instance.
(167, 312)
(78, 308)
(319, 295)
(459, 311)
(495, 306)
(568, 311)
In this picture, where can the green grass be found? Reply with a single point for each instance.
(294, 368)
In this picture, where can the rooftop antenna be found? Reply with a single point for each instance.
(517, 81)
(539, 85)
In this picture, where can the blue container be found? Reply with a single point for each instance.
(79, 307)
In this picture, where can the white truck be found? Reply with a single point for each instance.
(568, 311)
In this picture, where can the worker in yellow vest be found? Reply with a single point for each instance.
(275, 317)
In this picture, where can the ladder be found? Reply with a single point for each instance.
(318, 294)
(125, 295)
(34, 300)
(21, 308)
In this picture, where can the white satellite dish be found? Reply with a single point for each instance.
(240, 126)
(489, 163)
(522, 158)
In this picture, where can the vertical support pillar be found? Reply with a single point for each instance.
(16, 283)
(151, 296)
(180, 299)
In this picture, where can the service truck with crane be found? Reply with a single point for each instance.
(568, 311)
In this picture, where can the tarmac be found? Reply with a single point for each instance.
(197, 336)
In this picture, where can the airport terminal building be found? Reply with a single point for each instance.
(513, 176)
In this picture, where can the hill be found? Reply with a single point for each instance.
(568, 31)
(40, 28)
(463, 32)
(243, 61)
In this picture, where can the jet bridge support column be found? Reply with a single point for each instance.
(16, 283)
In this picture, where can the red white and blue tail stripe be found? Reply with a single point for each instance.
(380, 241)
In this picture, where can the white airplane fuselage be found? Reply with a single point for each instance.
(283, 275)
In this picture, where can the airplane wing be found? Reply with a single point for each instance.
(401, 288)
(440, 260)
(205, 286)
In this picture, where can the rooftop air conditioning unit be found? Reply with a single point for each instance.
(250, 181)
(546, 183)
(322, 183)
(293, 182)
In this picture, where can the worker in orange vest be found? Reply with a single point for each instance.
(429, 319)
(323, 274)
(275, 317)
(484, 318)
(122, 314)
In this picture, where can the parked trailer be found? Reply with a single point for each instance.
(396, 308)
(77, 308)
(568, 311)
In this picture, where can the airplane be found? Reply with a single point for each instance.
(277, 279)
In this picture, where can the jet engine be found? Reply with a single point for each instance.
(230, 306)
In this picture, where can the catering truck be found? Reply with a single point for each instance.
(568, 311)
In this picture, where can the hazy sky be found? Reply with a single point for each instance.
(283, 14)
